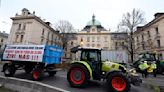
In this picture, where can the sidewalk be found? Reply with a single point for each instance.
(5, 90)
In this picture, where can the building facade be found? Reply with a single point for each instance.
(119, 41)
(27, 28)
(3, 40)
(94, 35)
(150, 37)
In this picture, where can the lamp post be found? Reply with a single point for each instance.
(81, 43)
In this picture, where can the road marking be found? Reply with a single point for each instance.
(35, 82)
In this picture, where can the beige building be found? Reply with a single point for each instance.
(27, 28)
(3, 39)
(94, 35)
(119, 40)
(150, 37)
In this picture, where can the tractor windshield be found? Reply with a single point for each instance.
(90, 56)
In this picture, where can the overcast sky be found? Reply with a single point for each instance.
(78, 12)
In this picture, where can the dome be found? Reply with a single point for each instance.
(93, 22)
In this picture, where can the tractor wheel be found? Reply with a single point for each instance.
(37, 74)
(9, 70)
(51, 73)
(78, 76)
(117, 82)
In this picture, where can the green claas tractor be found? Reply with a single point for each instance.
(90, 67)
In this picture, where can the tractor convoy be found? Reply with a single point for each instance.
(36, 59)
(90, 67)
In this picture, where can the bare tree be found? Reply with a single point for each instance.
(129, 23)
(64, 27)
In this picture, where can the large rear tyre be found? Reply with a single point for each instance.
(37, 74)
(9, 70)
(117, 82)
(78, 76)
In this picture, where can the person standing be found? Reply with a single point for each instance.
(143, 66)
(154, 67)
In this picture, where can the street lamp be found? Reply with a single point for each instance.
(81, 43)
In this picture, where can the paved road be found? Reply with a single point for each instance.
(60, 80)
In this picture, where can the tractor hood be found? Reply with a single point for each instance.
(109, 66)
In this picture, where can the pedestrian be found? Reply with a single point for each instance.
(143, 66)
(154, 67)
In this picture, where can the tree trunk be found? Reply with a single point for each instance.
(131, 45)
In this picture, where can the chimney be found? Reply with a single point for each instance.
(48, 23)
(156, 15)
(139, 28)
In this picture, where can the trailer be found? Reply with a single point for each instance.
(34, 59)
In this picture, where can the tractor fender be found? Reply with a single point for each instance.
(84, 64)
(111, 72)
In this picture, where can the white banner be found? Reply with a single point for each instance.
(24, 52)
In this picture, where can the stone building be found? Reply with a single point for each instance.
(94, 35)
(150, 37)
(119, 41)
(27, 28)
(3, 39)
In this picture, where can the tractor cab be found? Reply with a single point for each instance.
(92, 56)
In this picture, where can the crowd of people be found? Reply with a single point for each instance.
(148, 68)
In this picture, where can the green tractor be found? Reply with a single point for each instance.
(90, 67)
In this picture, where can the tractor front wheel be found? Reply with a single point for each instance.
(117, 82)
(78, 76)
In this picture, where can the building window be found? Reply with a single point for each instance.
(93, 39)
(21, 40)
(116, 43)
(98, 39)
(19, 26)
(93, 29)
(156, 29)
(148, 33)
(142, 37)
(52, 37)
(143, 46)
(105, 39)
(88, 39)
(43, 31)
(42, 40)
(137, 39)
(158, 43)
(1, 40)
(24, 26)
(88, 45)
(98, 45)
(16, 39)
(160, 57)
(123, 44)
(48, 35)
(71, 43)
(93, 45)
